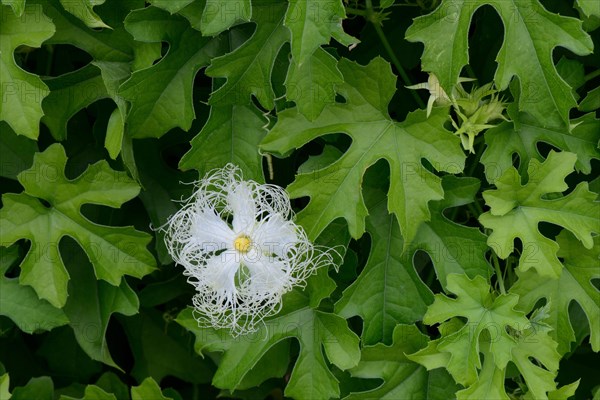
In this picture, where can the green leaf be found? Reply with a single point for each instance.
(92, 392)
(364, 118)
(161, 349)
(489, 385)
(589, 7)
(110, 383)
(591, 102)
(574, 284)
(516, 211)
(16, 152)
(572, 72)
(161, 96)
(452, 247)
(18, 6)
(274, 364)
(312, 24)
(41, 388)
(172, 6)
(534, 354)
(488, 317)
(401, 376)
(220, 15)
(63, 355)
(91, 303)
(103, 45)
(231, 135)
(70, 93)
(192, 10)
(4, 386)
(114, 73)
(522, 137)
(388, 290)
(564, 392)
(149, 389)
(115, 131)
(248, 68)
(21, 304)
(84, 10)
(527, 346)
(161, 183)
(22, 92)
(113, 251)
(530, 35)
(312, 85)
(315, 330)
(539, 375)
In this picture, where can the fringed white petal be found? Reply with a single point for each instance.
(275, 235)
(211, 232)
(243, 207)
(268, 275)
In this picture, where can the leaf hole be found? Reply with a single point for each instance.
(299, 203)
(356, 324)
(13, 271)
(565, 8)
(516, 162)
(340, 99)
(536, 362)
(424, 266)
(45, 203)
(486, 35)
(56, 60)
(540, 303)
(349, 384)
(544, 149)
(363, 250)
(511, 376)
(313, 157)
(549, 229)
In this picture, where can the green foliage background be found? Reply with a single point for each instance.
(465, 275)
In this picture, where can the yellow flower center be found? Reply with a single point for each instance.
(242, 243)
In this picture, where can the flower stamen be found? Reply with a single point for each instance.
(242, 244)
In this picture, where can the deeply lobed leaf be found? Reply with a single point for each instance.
(375, 135)
(113, 251)
(22, 92)
(516, 211)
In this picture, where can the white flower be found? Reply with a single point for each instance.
(240, 249)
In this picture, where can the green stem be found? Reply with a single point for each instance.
(592, 75)
(370, 17)
(470, 72)
(356, 11)
(510, 277)
(479, 143)
(499, 277)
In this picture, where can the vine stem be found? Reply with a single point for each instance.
(499, 277)
(370, 16)
(592, 75)
(356, 11)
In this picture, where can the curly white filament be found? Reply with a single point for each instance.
(240, 249)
